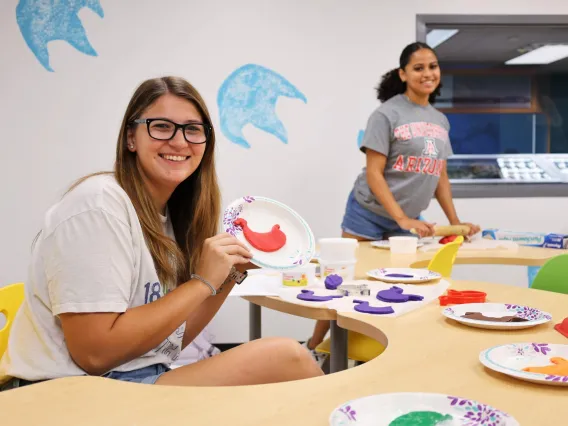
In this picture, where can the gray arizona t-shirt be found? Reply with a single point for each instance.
(414, 138)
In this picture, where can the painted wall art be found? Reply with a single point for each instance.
(42, 21)
(248, 96)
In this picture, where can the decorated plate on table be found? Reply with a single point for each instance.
(543, 363)
(497, 316)
(425, 409)
(403, 275)
(278, 237)
(385, 244)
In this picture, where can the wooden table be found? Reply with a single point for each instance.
(371, 258)
(425, 353)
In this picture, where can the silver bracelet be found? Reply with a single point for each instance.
(204, 281)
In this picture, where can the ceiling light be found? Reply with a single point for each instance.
(542, 55)
(436, 37)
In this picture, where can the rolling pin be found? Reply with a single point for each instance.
(444, 231)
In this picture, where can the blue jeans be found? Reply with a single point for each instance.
(361, 222)
(146, 375)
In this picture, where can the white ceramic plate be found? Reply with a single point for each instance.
(403, 275)
(385, 244)
(261, 215)
(512, 358)
(385, 409)
(535, 316)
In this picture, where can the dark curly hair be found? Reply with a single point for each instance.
(391, 84)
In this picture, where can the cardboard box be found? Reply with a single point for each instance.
(533, 239)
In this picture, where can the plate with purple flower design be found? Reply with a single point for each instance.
(544, 363)
(278, 237)
(399, 409)
(497, 316)
(404, 275)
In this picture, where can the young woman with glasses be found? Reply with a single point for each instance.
(128, 267)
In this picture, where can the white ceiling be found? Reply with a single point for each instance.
(495, 44)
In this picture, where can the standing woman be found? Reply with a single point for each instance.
(127, 269)
(406, 144)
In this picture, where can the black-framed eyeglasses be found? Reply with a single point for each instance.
(164, 130)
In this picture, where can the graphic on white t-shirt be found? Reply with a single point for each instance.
(430, 149)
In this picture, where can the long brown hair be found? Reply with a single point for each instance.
(194, 206)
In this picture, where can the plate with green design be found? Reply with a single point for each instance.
(418, 409)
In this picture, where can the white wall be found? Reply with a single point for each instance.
(58, 126)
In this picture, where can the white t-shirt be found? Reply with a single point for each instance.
(90, 256)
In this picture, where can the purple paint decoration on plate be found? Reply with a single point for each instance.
(562, 379)
(541, 348)
(393, 275)
(364, 307)
(395, 295)
(333, 281)
(478, 414)
(229, 218)
(528, 313)
(309, 296)
(349, 412)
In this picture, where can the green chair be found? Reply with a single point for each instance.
(553, 276)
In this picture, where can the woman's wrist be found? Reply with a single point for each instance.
(454, 221)
(400, 219)
(204, 283)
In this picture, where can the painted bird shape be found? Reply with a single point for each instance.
(559, 367)
(395, 295)
(264, 241)
(364, 307)
(309, 296)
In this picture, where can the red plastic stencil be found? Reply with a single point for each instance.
(264, 241)
(562, 327)
(456, 297)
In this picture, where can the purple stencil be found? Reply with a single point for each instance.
(363, 306)
(309, 296)
(394, 295)
(333, 281)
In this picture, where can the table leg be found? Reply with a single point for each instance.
(254, 321)
(338, 356)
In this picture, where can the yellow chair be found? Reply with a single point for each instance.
(11, 298)
(443, 260)
(362, 348)
(359, 347)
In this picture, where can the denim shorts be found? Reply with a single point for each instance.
(146, 375)
(361, 222)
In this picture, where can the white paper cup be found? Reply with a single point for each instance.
(300, 276)
(337, 249)
(403, 245)
(345, 269)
